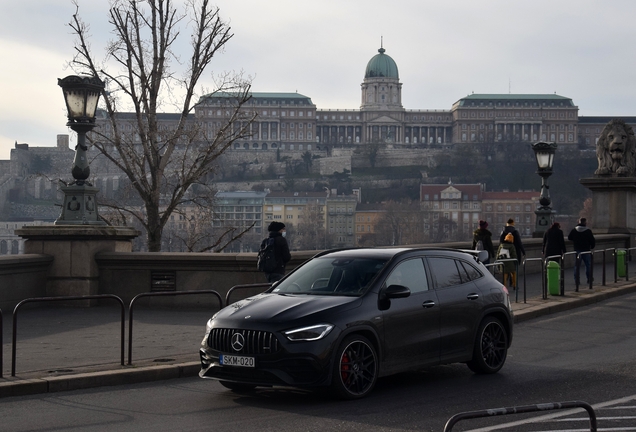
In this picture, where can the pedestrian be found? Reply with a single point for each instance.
(553, 242)
(507, 251)
(583, 241)
(483, 235)
(277, 232)
(510, 229)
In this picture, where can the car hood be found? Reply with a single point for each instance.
(284, 307)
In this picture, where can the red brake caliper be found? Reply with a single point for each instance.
(344, 367)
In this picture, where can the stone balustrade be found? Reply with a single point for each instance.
(127, 274)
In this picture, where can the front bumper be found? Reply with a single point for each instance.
(298, 371)
(296, 364)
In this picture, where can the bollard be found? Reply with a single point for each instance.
(620, 262)
(553, 274)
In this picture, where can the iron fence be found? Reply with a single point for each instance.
(57, 299)
(521, 410)
(160, 294)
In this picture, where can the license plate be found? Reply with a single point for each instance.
(240, 361)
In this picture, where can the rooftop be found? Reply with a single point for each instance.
(551, 98)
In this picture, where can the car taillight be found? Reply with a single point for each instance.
(505, 289)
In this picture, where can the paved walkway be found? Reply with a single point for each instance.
(62, 348)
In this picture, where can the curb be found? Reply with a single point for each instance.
(16, 386)
(538, 307)
(23, 387)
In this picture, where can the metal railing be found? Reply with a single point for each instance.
(577, 268)
(543, 285)
(500, 265)
(244, 286)
(159, 294)
(522, 410)
(64, 298)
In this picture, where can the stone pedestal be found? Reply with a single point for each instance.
(80, 206)
(74, 271)
(613, 204)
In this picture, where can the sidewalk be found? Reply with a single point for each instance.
(61, 349)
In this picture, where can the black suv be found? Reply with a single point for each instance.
(346, 317)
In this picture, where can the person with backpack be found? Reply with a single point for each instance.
(506, 252)
(274, 252)
(510, 229)
(482, 240)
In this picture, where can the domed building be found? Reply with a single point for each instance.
(292, 122)
(381, 89)
(382, 118)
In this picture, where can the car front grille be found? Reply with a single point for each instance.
(254, 342)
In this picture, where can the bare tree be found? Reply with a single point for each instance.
(311, 233)
(163, 162)
(403, 224)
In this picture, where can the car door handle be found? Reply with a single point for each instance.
(472, 296)
(428, 304)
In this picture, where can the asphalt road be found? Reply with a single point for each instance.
(586, 354)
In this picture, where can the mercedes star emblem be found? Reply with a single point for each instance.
(238, 341)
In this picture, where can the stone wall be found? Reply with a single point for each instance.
(127, 274)
(22, 277)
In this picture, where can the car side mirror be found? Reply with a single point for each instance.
(392, 292)
(396, 291)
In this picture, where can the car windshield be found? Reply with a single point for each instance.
(332, 276)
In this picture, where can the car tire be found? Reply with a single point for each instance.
(238, 387)
(490, 348)
(355, 368)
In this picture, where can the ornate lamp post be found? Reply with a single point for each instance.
(81, 94)
(544, 154)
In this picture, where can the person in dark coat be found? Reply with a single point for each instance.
(584, 241)
(482, 234)
(510, 229)
(553, 242)
(278, 232)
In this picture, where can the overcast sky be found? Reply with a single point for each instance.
(445, 50)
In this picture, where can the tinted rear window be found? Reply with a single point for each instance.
(445, 272)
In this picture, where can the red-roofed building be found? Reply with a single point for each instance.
(455, 210)
(498, 207)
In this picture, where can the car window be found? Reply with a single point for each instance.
(325, 275)
(473, 273)
(445, 272)
(409, 273)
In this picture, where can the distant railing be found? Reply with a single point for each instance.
(522, 410)
(543, 284)
(64, 298)
(499, 264)
(159, 294)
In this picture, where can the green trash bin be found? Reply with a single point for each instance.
(553, 274)
(621, 270)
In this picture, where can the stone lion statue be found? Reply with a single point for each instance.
(616, 149)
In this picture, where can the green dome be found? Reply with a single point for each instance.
(381, 65)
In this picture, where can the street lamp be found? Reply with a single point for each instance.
(544, 154)
(81, 94)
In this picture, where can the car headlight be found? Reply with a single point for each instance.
(310, 333)
(208, 329)
(208, 325)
